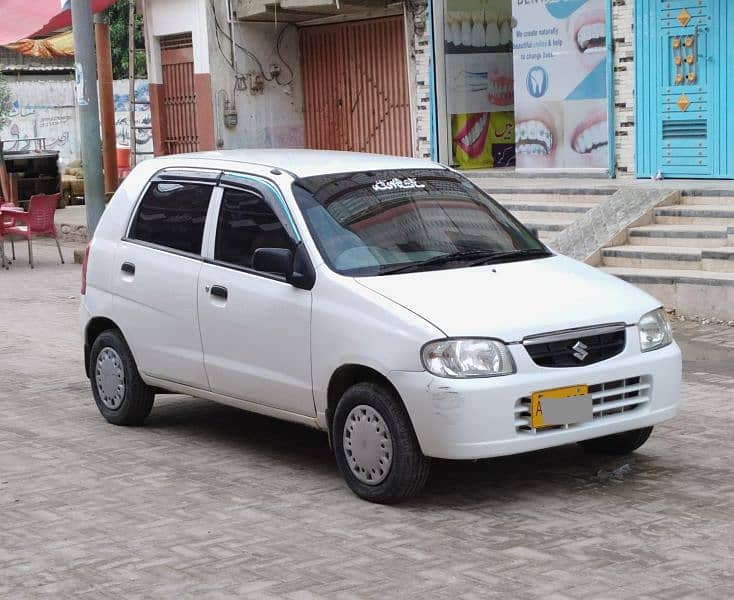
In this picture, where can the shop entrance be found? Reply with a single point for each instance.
(355, 87)
(684, 89)
(480, 118)
(526, 85)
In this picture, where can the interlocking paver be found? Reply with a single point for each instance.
(208, 501)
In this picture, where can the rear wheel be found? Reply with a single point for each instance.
(618, 443)
(121, 395)
(375, 445)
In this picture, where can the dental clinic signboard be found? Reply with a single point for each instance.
(559, 60)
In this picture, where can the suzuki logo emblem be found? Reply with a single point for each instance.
(580, 350)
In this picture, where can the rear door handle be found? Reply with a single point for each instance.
(128, 267)
(219, 291)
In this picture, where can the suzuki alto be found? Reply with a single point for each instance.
(386, 301)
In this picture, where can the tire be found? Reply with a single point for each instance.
(371, 415)
(121, 395)
(618, 443)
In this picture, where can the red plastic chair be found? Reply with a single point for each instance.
(38, 222)
(5, 222)
(3, 259)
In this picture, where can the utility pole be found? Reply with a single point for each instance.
(131, 80)
(88, 108)
(106, 102)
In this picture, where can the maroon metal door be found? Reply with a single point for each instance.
(179, 96)
(355, 87)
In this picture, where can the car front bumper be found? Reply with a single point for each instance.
(480, 418)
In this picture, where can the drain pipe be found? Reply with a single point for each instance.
(233, 49)
(610, 92)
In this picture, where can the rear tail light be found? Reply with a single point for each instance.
(84, 269)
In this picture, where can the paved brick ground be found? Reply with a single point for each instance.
(207, 501)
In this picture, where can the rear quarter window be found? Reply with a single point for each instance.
(172, 215)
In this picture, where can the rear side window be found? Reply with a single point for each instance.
(248, 221)
(173, 215)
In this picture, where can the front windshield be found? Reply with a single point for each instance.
(379, 222)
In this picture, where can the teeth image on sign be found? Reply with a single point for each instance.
(590, 137)
(477, 31)
(592, 37)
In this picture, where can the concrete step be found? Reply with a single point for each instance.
(696, 236)
(544, 228)
(550, 218)
(691, 292)
(652, 257)
(542, 206)
(702, 214)
(532, 197)
(718, 259)
(725, 198)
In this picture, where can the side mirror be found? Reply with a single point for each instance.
(273, 260)
(296, 267)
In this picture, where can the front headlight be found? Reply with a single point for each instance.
(654, 330)
(464, 357)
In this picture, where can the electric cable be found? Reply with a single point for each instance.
(252, 56)
(280, 56)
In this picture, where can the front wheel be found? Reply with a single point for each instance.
(619, 443)
(375, 445)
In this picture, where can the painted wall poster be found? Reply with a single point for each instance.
(479, 75)
(559, 63)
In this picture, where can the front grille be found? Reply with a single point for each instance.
(609, 398)
(577, 348)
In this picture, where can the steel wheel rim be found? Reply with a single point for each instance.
(110, 377)
(368, 445)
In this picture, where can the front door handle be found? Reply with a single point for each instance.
(128, 267)
(219, 291)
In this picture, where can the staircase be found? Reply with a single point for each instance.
(547, 208)
(685, 257)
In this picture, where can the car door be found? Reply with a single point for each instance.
(255, 327)
(156, 277)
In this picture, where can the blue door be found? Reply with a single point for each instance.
(684, 83)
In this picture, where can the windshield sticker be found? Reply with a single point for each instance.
(409, 183)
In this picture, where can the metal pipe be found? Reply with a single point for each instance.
(233, 49)
(88, 108)
(106, 102)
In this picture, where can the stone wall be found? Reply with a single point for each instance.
(624, 86)
(418, 35)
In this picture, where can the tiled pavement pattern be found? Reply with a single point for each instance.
(209, 502)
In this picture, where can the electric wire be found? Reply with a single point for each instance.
(253, 57)
(280, 56)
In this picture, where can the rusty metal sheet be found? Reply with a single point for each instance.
(179, 98)
(355, 87)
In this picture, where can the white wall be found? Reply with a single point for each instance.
(272, 118)
(143, 137)
(42, 109)
(47, 109)
(170, 17)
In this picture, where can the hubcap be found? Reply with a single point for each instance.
(367, 445)
(110, 378)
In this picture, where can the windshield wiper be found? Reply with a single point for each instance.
(512, 255)
(462, 255)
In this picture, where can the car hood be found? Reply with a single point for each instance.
(512, 300)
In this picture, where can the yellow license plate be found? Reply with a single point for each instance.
(560, 406)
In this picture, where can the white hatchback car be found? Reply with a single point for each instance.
(385, 300)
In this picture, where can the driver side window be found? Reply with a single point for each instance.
(247, 222)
